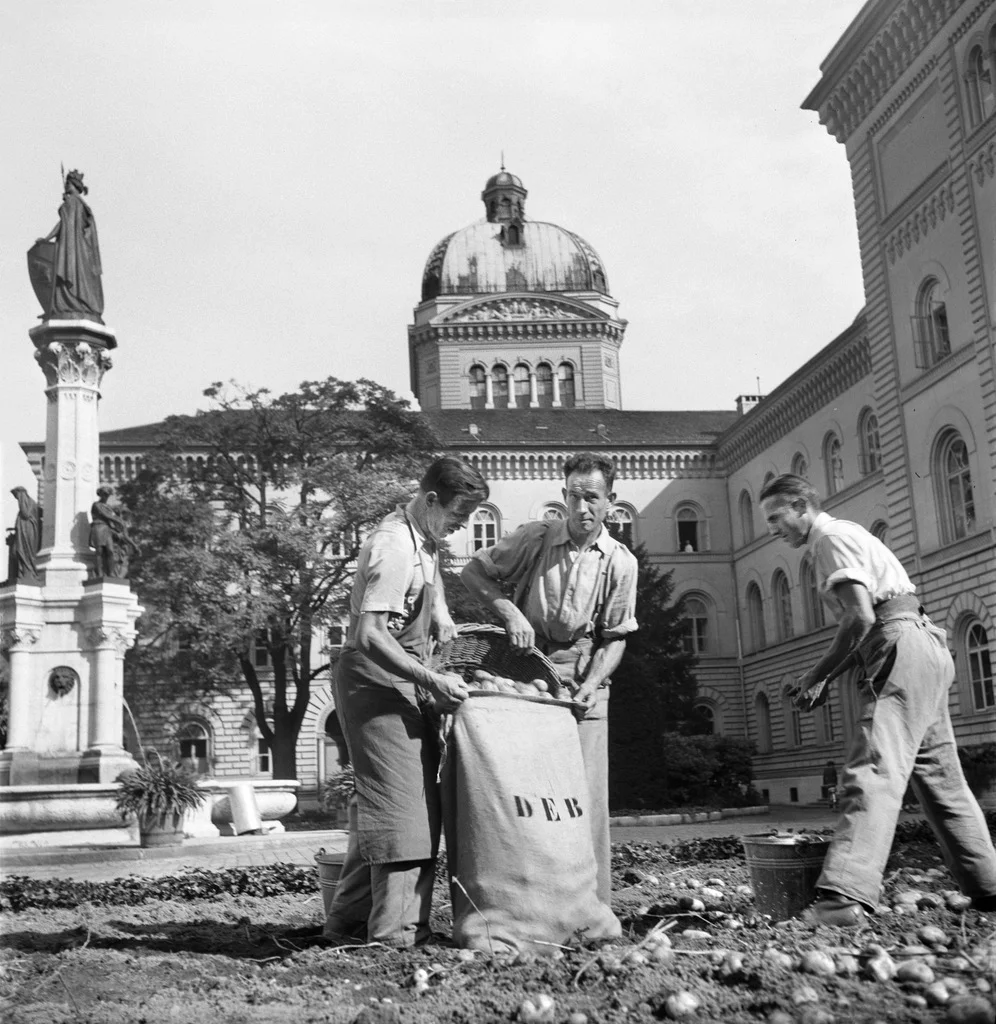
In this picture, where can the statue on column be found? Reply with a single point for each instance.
(109, 538)
(64, 267)
(26, 540)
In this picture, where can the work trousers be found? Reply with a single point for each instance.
(903, 736)
(386, 903)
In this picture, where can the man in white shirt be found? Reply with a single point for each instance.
(904, 732)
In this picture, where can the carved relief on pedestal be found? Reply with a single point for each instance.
(19, 637)
(75, 363)
(62, 679)
(110, 636)
(517, 309)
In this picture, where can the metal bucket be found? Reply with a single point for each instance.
(329, 869)
(245, 813)
(784, 869)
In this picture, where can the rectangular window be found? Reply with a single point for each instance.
(262, 756)
(260, 653)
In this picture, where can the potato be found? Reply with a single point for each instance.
(541, 684)
(482, 676)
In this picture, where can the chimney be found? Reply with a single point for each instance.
(747, 402)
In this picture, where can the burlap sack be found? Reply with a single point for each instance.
(518, 836)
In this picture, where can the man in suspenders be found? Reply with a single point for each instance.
(574, 598)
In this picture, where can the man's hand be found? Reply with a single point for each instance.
(587, 697)
(812, 697)
(446, 629)
(520, 633)
(448, 690)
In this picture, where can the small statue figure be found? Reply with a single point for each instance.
(23, 566)
(109, 538)
(64, 267)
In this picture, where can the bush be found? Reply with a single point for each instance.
(336, 790)
(979, 765)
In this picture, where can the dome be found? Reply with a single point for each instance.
(529, 257)
(503, 177)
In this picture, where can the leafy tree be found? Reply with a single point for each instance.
(653, 690)
(249, 517)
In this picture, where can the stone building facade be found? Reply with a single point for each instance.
(515, 348)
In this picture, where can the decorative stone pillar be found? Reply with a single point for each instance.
(489, 391)
(73, 355)
(556, 389)
(17, 641)
(533, 391)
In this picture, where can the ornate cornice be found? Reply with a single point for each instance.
(882, 62)
(831, 375)
(517, 308)
(651, 463)
(920, 223)
(110, 637)
(73, 363)
(19, 637)
(982, 165)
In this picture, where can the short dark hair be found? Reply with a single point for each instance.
(589, 462)
(791, 489)
(453, 478)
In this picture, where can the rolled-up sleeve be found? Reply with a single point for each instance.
(618, 614)
(388, 574)
(841, 559)
(515, 555)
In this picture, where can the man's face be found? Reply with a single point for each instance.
(442, 520)
(588, 502)
(788, 521)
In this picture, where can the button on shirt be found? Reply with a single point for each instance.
(846, 552)
(564, 592)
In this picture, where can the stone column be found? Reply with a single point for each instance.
(556, 389)
(533, 393)
(489, 391)
(73, 355)
(18, 641)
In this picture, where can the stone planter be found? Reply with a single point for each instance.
(161, 835)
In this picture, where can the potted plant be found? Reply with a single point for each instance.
(158, 793)
(336, 792)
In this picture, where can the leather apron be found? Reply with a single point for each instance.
(392, 746)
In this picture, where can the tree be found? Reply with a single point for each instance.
(653, 690)
(249, 517)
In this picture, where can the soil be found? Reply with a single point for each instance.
(245, 959)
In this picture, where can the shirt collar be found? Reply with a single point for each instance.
(603, 542)
(820, 523)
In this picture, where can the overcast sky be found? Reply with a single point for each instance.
(269, 178)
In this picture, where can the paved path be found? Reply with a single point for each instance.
(95, 864)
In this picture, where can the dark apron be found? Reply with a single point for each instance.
(392, 747)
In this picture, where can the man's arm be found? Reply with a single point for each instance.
(373, 639)
(855, 623)
(481, 586)
(442, 621)
(603, 663)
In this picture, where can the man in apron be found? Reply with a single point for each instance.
(380, 685)
(904, 733)
(574, 597)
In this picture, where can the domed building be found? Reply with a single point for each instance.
(515, 314)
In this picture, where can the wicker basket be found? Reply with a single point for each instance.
(487, 647)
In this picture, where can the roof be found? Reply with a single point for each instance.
(578, 428)
(547, 258)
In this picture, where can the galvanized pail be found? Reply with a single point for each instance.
(329, 869)
(784, 869)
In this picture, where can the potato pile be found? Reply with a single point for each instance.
(479, 679)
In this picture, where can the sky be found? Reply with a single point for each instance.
(268, 180)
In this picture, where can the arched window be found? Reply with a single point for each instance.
(521, 374)
(755, 616)
(698, 634)
(793, 720)
(815, 617)
(499, 386)
(980, 665)
(194, 742)
(879, 529)
(544, 385)
(619, 523)
(768, 477)
(553, 511)
(783, 605)
(707, 718)
(955, 497)
(691, 529)
(478, 387)
(979, 80)
(762, 712)
(871, 445)
(746, 517)
(800, 465)
(565, 373)
(931, 337)
(484, 529)
(834, 463)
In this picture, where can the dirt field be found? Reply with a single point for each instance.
(243, 959)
